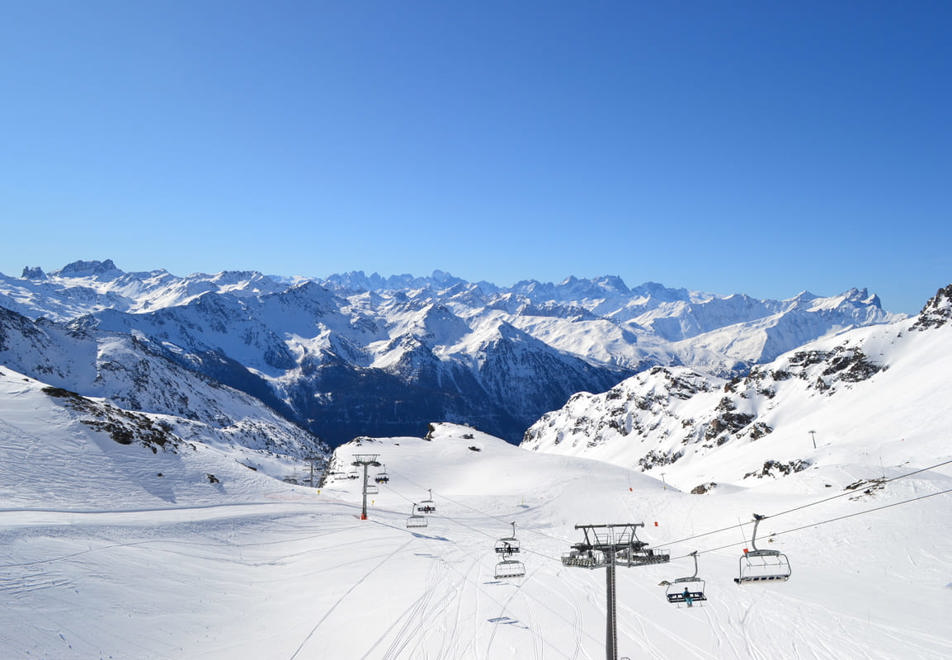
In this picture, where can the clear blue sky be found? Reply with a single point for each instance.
(755, 147)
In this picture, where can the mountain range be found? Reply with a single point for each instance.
(353, 354)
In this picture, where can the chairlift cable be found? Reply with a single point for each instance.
(852, 492)
(822, 522)
(803, 506)
(490, 515)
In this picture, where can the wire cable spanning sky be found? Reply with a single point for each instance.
(755, 147)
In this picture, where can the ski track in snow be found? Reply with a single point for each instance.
(414, 617)
(356, 584)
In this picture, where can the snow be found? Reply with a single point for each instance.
(98, 563)
(199, 548)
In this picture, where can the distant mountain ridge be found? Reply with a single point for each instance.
(356, 354)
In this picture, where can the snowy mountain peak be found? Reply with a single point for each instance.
(358, 281)
(89, 269)
(660, 293)
(33, 273)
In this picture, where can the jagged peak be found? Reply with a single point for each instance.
(236, 276)
(659, 292)
(88, 269)
(856, 295)
(805, 296)
(33, 273)
(937, 311)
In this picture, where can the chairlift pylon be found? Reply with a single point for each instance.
(762, 565)
(508, 567)
(415, 519)
(686, 589)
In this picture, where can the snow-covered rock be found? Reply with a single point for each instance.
(875, 382)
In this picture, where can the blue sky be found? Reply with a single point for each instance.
(761, 147)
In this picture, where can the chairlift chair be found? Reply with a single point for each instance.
(686, 589)
(582, 557)
(372, 489)
(762, 565)
(639, 554)
(415, 519)
(382, 477)
(508, 567)
(427, 506)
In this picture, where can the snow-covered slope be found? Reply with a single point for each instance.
(139, 375)
(252, 568)
(65, 451)
(886, 385)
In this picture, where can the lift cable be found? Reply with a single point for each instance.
(823, 522)
(803, 506)
(498, 517)
(476, 529)
(729, 545)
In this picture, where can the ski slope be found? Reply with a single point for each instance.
(100, 564)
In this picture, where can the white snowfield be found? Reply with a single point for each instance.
(100, 557)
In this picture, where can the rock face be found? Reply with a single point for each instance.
(34, 273)
(360, 354)
(937, 312)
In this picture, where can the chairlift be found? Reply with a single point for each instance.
(372, 489)
(415, 519)
(382, 477)
(762, 565)
(427, 506)
(508, 567)
(686, 589)
(353, 474)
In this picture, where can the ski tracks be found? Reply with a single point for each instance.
(356, 584)
(410, 616)
(30, 580)
(440, 594)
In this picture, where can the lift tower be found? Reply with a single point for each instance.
(314, 460)
(606, 546)
(365, 460)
